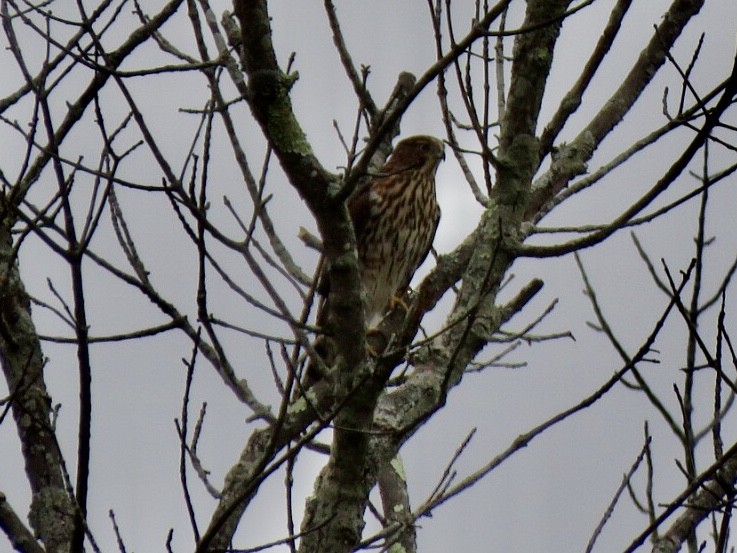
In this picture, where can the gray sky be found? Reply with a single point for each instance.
(548, 497)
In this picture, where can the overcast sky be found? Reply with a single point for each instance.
(548, 497)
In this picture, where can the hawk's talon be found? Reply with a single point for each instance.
(398, 301)
(370, 349)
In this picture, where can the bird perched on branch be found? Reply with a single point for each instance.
(395, 215)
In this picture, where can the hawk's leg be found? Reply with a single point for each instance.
(398, 301)
(377, 340)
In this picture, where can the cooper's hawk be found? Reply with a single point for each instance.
(395, 215)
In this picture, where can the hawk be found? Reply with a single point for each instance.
(395, 215)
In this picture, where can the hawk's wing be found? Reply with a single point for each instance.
(359, 207)
(425, 253)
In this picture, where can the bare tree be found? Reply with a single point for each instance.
(147, 230)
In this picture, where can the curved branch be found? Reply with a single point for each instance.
(652, 57)
(18, 534)
(358, 85)
(572, 100)
(674, 171)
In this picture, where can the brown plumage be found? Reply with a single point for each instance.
(395, 215)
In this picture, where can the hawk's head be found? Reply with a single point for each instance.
(415, 152)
